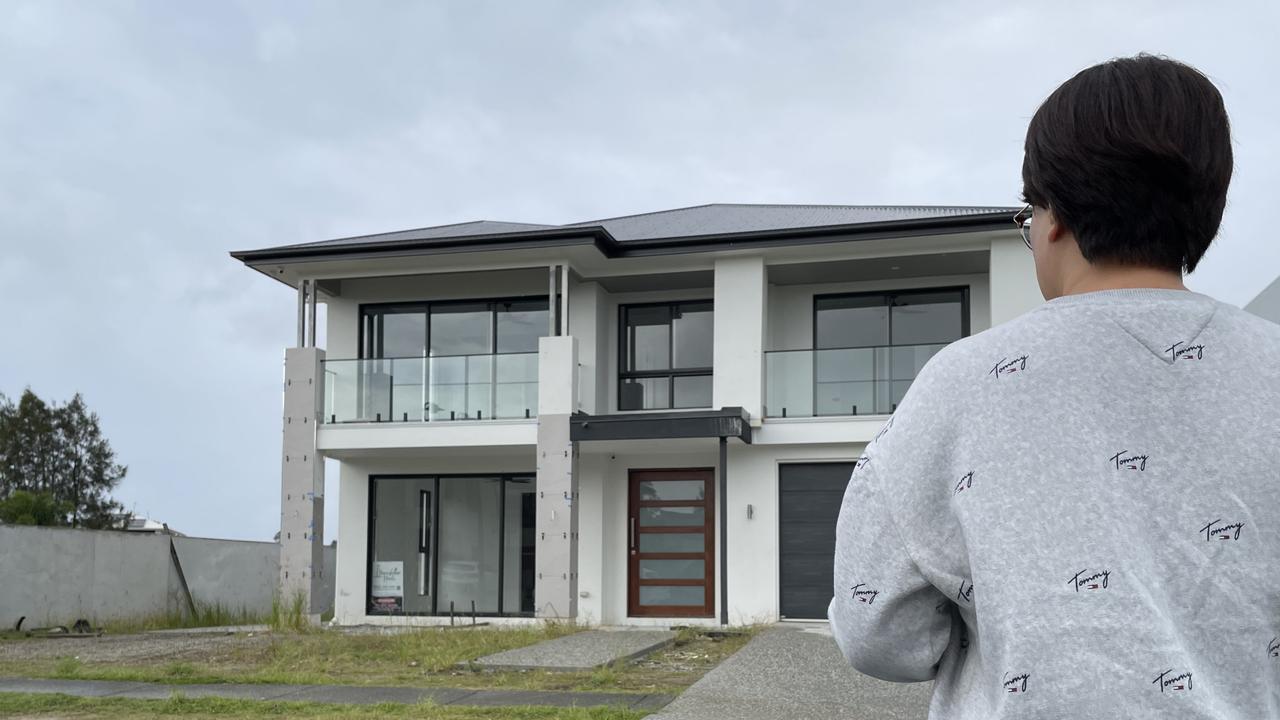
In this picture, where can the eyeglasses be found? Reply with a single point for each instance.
(1023, 220)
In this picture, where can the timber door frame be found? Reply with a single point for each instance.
(708, 555)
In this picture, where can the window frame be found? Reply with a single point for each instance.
(435, 478)
(888, 295)
(963, 290)
(369, 311)
(671, 373)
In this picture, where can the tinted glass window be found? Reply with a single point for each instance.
(461, 329)
(847, 322)
(520, 324)
(648, 338)
(692, 334)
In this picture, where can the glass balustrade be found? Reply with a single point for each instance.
(427, 389)
(841, 381)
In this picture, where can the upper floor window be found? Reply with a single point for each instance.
(452, 328)
(665, 355)
(869, 347)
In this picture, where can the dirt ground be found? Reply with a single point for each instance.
(131, 648)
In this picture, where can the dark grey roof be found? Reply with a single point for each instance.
(726, 218)
(712, 223)
(464, 229)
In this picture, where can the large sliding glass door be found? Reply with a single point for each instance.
(451, 544)
(451, 360)
(869, 347)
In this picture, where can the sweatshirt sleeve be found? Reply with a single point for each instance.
(888, 620)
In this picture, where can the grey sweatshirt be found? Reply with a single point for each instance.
(1076, 514)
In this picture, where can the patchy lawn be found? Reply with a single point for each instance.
(65, 706)
(421, 658)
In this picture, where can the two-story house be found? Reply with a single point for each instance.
(647, 419)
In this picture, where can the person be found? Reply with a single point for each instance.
(1077, 513)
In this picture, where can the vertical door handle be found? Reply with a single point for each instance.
(633, 535)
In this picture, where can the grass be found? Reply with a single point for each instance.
(66, 706)
(291, 615)
(206, 615)
(422, 658)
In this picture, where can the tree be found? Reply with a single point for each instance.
(28, 508)
(59, 450)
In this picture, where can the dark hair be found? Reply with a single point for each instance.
(1134, 157)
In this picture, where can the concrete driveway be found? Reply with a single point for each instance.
(795, 671)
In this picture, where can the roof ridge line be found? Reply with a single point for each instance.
(409, 230)
(651, 212)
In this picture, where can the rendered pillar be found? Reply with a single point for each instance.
(302, 483)
(555, 587)
(1014, 288)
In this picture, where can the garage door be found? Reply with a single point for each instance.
(808, 505)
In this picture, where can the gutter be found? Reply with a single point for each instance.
(611, 247)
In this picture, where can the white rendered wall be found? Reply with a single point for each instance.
(753, 543)
(1014, 289)
(741, 295)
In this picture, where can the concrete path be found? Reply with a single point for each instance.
(344, 694)
(796, 672)
(580, 651)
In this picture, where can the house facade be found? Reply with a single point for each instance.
(639, 420)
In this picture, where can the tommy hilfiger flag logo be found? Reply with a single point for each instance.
(1173, 682)
(1096, 581)
(1229, 531)
(1182, 351)
(1008, 366)
(863, 594)
(1129, 462)
(1017, 683)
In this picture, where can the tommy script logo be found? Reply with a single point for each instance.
(1229, 531)
(1273, 647)
(1095, 581)
(965, 592)
(1007, 366)
(1178, 682)
(965, 483)
(863, 594)
(1129, 462)
(1182, 351)
(884, 429)
(861, 462)
(1017, 683)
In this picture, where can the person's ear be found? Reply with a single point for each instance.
(1055, 229)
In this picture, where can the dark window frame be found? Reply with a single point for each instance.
(371, 517)
(963, 291)
(369, 311)
(671, 373)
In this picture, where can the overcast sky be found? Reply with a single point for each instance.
(142, 141)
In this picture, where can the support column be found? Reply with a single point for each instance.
(740, 300)
(555, 587)
(302, 483)
(1012, 278)
(724, 531)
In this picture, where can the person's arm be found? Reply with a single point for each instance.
(888, 620)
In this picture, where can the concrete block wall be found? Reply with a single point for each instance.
(58, 575)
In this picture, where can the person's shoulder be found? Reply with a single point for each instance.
(1002, 348)
(1253, 328)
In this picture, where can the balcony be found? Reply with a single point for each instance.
(431, 389)
(841, 381)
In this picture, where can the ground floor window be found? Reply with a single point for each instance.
(441, 544)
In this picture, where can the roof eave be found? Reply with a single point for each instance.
(611, 247)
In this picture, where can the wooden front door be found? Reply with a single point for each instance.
(671, 543)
